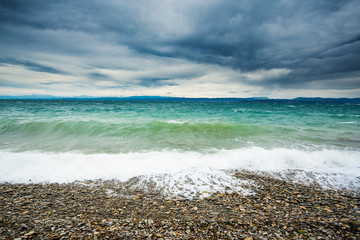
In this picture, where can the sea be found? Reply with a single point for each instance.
(183, 147)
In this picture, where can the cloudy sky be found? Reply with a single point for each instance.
(187, 48)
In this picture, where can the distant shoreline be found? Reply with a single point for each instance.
(183, 99)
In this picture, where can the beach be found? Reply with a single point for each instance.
(179, 120)
(97, 209)
(103, 169)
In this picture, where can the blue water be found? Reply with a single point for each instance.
(116, 127)
(256, 135)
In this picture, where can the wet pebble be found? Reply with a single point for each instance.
(86, 210)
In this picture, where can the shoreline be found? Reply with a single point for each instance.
(276, 210)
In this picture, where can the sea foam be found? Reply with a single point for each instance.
(174, 170)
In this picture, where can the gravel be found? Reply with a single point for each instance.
(112, 210)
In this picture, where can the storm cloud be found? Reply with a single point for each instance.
(190, 48)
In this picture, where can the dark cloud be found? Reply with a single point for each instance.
(30, 65)
(317, 41)
(156, 82)
(98, 76)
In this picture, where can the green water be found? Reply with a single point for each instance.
(122, 127)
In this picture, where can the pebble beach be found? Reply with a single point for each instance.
(97, 209)
(167, 120)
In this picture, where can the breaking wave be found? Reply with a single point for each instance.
(210, 171)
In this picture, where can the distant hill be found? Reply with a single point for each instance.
(181, 99)
(328, 100)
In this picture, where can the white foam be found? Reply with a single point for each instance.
(351, 122)
(326, 180)
(175, 122)
(177, 167)
(191, 183)
(240, 110)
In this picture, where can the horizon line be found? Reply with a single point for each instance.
(159, 98)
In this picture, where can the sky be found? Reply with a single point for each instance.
(188, 48)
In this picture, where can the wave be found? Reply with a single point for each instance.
(350, 122)
(115, 137)
(128, 135)
(331, 168)
(102, 128)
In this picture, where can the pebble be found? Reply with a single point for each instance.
(86, 210)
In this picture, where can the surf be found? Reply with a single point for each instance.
(340, 168)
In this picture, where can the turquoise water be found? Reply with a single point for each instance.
(52, 140)
(116, 127)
